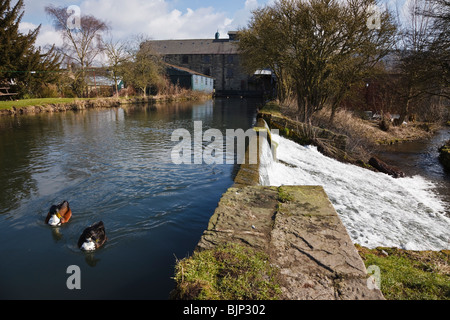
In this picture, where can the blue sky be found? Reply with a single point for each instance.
(159, 19)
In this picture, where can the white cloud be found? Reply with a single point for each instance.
(155, 18)
(243, 15)
(47, 34)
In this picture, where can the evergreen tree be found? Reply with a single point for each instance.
(20, 62)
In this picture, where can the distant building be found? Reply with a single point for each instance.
(189, 79)
(99, 80)
(103, 82)
(217, 58)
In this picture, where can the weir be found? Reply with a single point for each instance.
(296, 226)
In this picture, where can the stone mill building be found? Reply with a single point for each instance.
(217, 58)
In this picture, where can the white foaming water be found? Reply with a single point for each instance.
(376, 209)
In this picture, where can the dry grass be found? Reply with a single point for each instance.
(369, 131)
(364, 135)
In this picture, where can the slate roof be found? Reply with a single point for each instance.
(195, 46)
(186, 70)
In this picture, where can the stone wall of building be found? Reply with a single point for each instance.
(226, 69)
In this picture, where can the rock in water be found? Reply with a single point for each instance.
(385, 168)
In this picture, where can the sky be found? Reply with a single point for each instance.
(158, 19)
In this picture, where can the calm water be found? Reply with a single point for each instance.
(112, 165)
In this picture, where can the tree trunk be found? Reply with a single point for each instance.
(333, 113)
(116, 94)
(301, 107)
(405, 110)
(145, 91)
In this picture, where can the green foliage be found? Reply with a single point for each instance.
(284, 196)
(228, 272)
(20, 61)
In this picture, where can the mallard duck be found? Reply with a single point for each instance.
(93, 237)
(59, 214)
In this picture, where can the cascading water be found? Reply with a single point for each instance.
(376, 209)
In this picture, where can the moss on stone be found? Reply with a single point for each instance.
(284, 195)
(271, 107)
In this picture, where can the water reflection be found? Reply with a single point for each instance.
(112, 165)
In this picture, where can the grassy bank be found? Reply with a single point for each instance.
(36, 102)
(410, 275)
(228, 272)
(364, 136)
(27, 106)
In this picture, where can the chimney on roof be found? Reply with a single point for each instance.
(232, 35)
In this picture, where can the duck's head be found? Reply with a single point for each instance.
(93, 237)
(55, 219)
(91, 241)
(88, 245)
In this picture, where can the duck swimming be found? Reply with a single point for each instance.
(59, 214)
(93, 237)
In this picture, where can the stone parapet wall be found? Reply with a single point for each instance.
(303, 236)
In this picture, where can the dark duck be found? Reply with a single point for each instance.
(59, 214)
(93, 237)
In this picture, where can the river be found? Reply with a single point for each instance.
(112, 165)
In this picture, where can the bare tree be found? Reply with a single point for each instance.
(117, 53)
(81, 42)
(322, 46)
(413, 47)
(145, 68)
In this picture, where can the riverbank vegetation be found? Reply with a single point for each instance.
(410, 275)
(444, 155)
(35, 102)
(353, 55)
(227, 272)
(23, 67)
(382, 84)
(362, 136)
(128, 68)
(32, 106)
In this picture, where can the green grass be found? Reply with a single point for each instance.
(229, 272)
(411, 275)
(35, 102)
